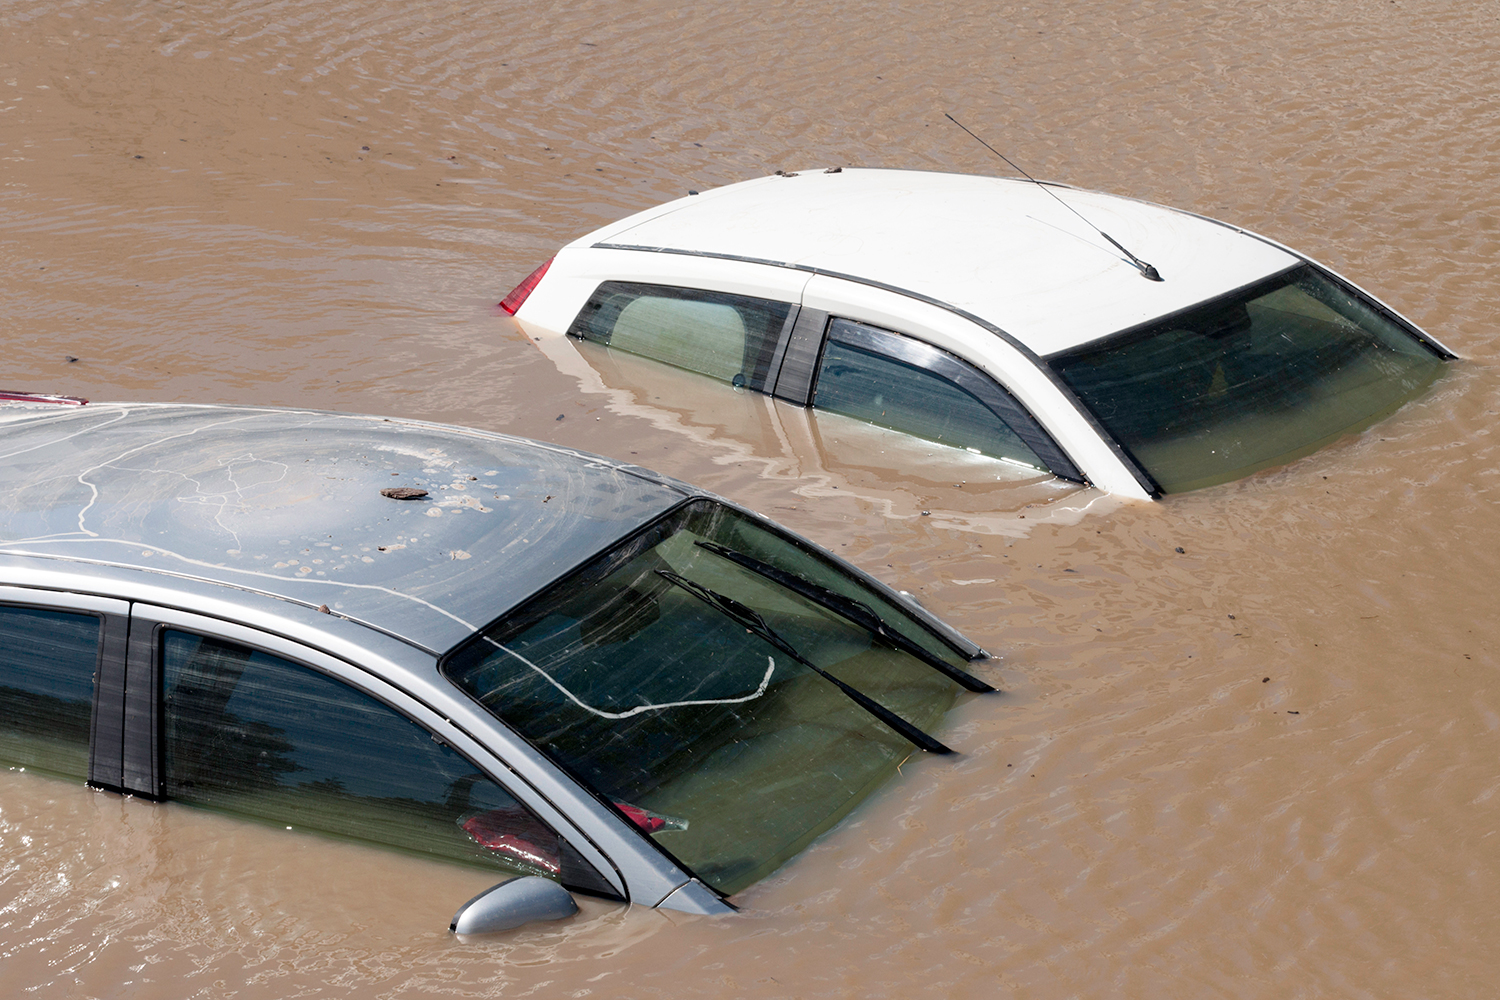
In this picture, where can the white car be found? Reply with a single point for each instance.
(1139, 349)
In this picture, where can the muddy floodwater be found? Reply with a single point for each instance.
(1249, 740)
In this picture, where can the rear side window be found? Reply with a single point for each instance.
(47, 665)
(253, 734)
(729, 337)
(915, 388)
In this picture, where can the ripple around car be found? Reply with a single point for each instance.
(547, 664)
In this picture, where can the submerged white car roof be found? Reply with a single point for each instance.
(1002, 249)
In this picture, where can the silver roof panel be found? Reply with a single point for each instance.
(288, 503)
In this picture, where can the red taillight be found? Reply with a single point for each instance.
(41, 397)
(517, 296)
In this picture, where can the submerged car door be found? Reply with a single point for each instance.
(923, 368)
(250, 723)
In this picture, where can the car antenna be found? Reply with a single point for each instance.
(1147, 271)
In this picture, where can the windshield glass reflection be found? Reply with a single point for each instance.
(733, 739)
(1252, 380)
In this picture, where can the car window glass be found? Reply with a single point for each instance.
(873, 385)
(47, 664)
(253, 734)
(713, 740)
(1254, 379)
(730, 337)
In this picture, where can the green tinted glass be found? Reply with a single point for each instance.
(705, 732)
(730, 337)
(1249, 381)
(253, 734)
(887, 392)
(47, 664)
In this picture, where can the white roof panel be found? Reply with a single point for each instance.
(1003, 249)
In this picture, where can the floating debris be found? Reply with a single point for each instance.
(404, 493)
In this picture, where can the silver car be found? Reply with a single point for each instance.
(478, 648)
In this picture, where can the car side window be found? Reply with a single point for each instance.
(250, 733)
(47, 664)
(730, 337)
(913, 387)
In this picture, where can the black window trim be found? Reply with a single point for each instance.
(950, 368)
(798, 357)
(761, 380)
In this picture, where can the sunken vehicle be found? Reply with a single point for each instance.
(451, 642)
(1140, 349)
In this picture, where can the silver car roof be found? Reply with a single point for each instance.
(288, 503)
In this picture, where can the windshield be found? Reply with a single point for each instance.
(718, 708)
(1254, 379)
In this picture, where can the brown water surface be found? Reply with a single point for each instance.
(1249, 740)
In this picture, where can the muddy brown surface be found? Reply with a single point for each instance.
(1248, 740)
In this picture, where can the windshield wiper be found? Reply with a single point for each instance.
(858, 612)
(753, 622)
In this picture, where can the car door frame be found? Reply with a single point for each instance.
(106, 727)
(911, 353)
(819, 295)
(1016, 370)
(143, 686)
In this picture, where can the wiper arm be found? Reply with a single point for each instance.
(858, 612)
(753, 622)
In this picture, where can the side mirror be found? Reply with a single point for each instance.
(512, 903)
